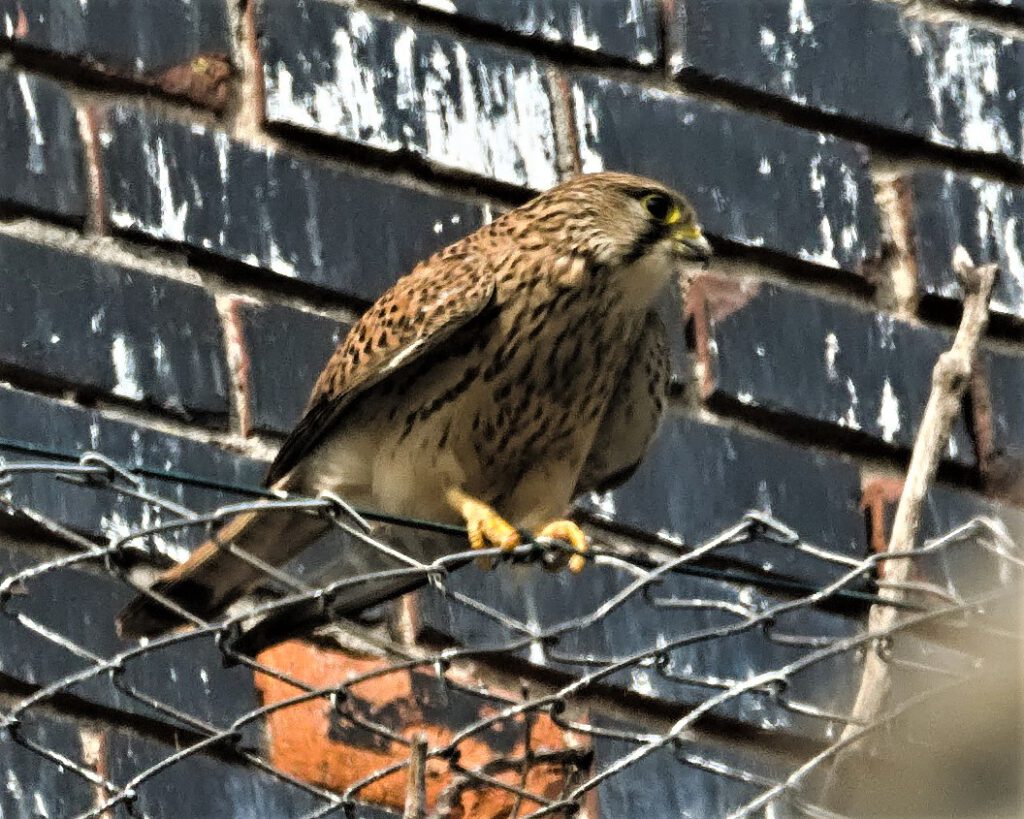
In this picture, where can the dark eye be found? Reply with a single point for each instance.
(659, 206)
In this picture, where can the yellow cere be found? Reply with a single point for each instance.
(687, 233)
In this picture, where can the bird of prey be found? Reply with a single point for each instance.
(510, 372)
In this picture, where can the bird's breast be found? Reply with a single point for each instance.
(527, 394)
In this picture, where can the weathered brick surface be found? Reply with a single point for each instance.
(626, 29)
(80, 606)
(692, 779)
(335, 747)
(640, 624)
(283, 352)
(986, 217)
(1005, 424)
(179, 45)
(196, 186)
(111, 329)
(964, 569)
(700, 478)
(953, 84)
(846, 366)
(34, 786)
(754, 181)
(42, 166)
(306, 188)
(1004, 4)
(199, 785)
(65, 428)
(384, 85)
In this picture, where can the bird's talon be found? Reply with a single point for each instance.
(569, 532)
(485, 527)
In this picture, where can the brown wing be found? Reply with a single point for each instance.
(416, 317)
(633, 414)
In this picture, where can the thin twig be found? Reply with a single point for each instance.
(950, 377)
(416, 790)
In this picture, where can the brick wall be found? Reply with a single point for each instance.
(197, 197)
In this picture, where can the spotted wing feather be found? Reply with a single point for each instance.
(417, 316)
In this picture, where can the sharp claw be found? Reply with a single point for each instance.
(485, 527)
(569, 532)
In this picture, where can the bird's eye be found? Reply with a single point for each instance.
(661, 207)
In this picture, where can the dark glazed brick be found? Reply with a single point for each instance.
(964, 569)
(1005, 4)
(1005, 375)
(692, 779)
(284, 351)
(471, 107)
(42, 167)
(753, 181)
(182, 45)
(111, 329)
(80, 607)
(643, 623)
(952, 84)
(34, 786)
(986, 217)
(698, 479)
(69, 429)
(796, 354)
(618, 28)
(189, 185)
(199, 786)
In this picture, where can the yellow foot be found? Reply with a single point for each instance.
(572, 534)
(486, 528)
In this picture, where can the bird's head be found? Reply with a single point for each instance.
(618, 219)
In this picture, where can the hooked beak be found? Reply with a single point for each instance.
(691, 244)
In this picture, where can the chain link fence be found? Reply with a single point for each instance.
(537, 693)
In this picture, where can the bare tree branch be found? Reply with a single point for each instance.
(950, 377)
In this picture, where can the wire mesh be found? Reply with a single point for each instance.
(722, 667)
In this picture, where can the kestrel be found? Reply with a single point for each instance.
(510, 372)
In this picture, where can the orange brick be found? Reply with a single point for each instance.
(323, 746)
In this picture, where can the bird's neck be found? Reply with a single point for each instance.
(638, 284)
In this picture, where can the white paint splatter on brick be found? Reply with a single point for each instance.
(825, 255)
(125, 371)
(500, 126)
(886, 326)
(888, 413)
(172, 216)
(800, 21)
(1013, 270)
(36, 141)
(640, 682)
(277, 261)
(587, 128)
(961, 64)
(582, 37)
(849, 420)
(440, 5)
(831, 351)
(605, 503)
(14, 786)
